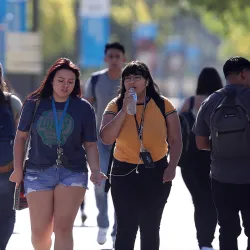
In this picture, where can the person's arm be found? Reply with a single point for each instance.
(111, 126)
(201, 128)
(16, 106)
(174, 139)
(22, 133)
(92, 156)
(89, 138)
(90, 144)
(19, 149)
(202, 143)
(175, 143)
(20, 141)
(112, 122)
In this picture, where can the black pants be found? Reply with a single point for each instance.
(7, 214)
(198, 182)
(139, 200)
(230, 199)
(82, 206)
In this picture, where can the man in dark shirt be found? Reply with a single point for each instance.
(230, 175)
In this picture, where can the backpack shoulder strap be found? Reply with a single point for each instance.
(159, 101)
(94, 80)
(191, 103)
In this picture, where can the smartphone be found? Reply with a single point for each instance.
(147, 159)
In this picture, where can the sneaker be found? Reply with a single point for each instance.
(207, 248)
(102, 235)
(113, 239)
(84, 217)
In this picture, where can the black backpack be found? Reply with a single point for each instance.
(189, 149)
(229, 125)
(161, 105)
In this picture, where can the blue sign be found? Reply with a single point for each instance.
(193, 58)
(95, 33)
(174, 45)
(16, 15)
(2, 31)
(145, 31)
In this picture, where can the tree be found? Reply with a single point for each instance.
(57, 24)
(228, 19)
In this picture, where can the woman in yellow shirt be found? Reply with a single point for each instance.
(140, 188)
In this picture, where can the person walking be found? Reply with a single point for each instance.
(62, 140)
(196, 169)
(222, 126)
(101, 88)
(141, 175)
(10, 107)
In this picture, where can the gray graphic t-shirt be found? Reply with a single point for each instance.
(105, 91)
(79, 126)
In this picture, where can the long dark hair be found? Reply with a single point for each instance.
(138, 68)
(209, 81)
(3, 86)
(46, 89)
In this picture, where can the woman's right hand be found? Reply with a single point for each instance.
(127, 97)
(17, 176)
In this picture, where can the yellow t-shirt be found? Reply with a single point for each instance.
(127, 147)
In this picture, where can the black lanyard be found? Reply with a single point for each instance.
(140, 127)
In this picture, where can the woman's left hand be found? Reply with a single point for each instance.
(97, 177)
(169, 174)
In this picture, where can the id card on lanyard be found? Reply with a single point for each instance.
(144, 154)
(61, 159)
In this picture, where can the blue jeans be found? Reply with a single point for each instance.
(100, 194)
(7, 214)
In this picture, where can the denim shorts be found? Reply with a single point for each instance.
(49, 178)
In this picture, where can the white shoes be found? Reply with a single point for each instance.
(113, 240)
(207, 248)
(102, 235)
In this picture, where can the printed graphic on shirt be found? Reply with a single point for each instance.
(46, 127)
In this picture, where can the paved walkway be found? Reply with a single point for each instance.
(177, 229)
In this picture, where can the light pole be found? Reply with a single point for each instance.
(35, 17)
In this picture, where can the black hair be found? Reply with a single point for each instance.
(3, 86)
(114, 45)
(235, 65)
(209, 81)
(138, 68)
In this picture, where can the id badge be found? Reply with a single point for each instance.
(61, 158)
(65, 161)
(147, 159)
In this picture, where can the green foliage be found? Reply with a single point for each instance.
(232, 25)
(57, 23)
(229, 19)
